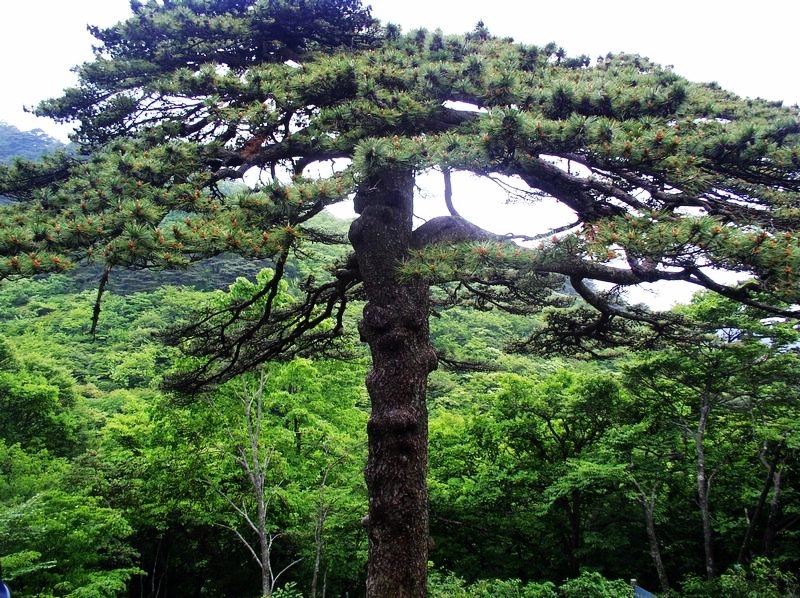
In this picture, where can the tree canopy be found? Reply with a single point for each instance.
(665, 177)
(310, 103)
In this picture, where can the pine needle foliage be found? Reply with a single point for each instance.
(309, 101)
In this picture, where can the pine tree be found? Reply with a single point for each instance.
(667, 179)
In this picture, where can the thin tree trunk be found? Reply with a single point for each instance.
(575, 532)
(318, 553)
(770, 533)
(322, 514)
(703, 484)
(744, 549)
(395, 325)
(256, 470)
(258, 481)
(648, 502)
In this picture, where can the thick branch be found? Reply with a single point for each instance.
(741, 294)
(449, 230)
(601, 304)
(578, 193)
(448, 193)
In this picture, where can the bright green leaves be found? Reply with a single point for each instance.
(287, 437)
(37, 401)
(499, 463)
(54, 533)
(244, 291)
(79, 537)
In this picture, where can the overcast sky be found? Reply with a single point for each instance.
(749, 48)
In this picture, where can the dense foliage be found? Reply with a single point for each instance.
(556, 459)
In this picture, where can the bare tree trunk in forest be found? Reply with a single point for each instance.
(322, 513)
(575, 532)
(254, 459)
(703, 486)
(771, 532)
(648, 502)
(771, 465)
(323, 508)
(395, 326)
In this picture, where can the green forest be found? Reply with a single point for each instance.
(112, 487)
(183, 352)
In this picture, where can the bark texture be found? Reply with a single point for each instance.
(395, 326)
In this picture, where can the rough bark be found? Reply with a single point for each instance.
(395, 326)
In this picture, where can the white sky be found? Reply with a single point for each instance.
(749, 48)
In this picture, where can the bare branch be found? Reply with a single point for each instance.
(448, 194)
(243, 540)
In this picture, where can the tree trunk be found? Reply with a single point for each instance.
(574, 507)
(703, 484)
(318, 528)
(649, 507)
(395, 325)
(771, 531)
(744, 550)
(322, 515)
(258, 479)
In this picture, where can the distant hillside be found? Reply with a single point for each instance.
(24, 144)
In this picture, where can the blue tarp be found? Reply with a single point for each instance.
(4, 591)
(642, 593)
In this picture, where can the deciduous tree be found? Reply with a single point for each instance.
(738, 367)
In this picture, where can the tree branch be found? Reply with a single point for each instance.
(449, 230)
(601, 304)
